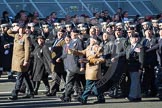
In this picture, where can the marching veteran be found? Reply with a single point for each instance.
(93, 62)
(20, 58)
(135, 55)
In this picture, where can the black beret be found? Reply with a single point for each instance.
(61, 30)
(135, 35)
(41, 37)
(75, 31)
(149, 28)
(68, 36)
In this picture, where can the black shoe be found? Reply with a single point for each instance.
(145, 94)
(62, 89)
(152, 94)
(28, 96)
(112, 95)
(99, 101)
(22, 91)
(83, 102)
(51, 94)
(160, 99)
(138, 99)
(63, 99)
(35, 92)
(11, 77)
(67, 99)
(13, 98)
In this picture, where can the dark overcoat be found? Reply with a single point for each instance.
(135, 59)
(56, 53)
(6, 54)
(42, 63)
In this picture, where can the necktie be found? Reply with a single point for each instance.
(66, 49)
(132, 47)
(55, 42)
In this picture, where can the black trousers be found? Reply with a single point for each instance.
(20, 77)
(118, 75)
(70, 81)
(46, 83)
(56, 79)
(148, 81)
(23, 86)
(158, 82)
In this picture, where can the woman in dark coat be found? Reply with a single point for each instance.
(42, 63)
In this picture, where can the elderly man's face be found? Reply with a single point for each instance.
(60, 34)
(118, 33)
(97, 30)
(67, 40)
(74, 35)
(32, 28)
(133, 40)
(155, 24)
(68, 28)
(148, 33)
(145, 26)
(129, 33)
(45, 29)
(92, 32)
(105, 36)
(40, 41)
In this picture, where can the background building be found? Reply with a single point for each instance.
(71, 7)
